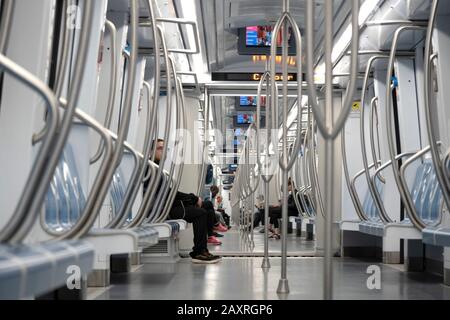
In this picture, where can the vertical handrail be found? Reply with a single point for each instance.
(182, 119)
(40, 163)
(330, 130)
(377, 201)
(443, 178)
(112, 86)
(315, 174)
(353, 195)
(63, 60)
(407, 201)
(151, 121)
(5, 26)
(86, 221)
(168, 191)
(374, 115)
(93, 202)
(403, 168)
(34, 198)
(265, 173)
(202, 176)
(284, 161)
(142, 215)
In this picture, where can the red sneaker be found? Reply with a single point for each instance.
(213, 240)
(220, 228)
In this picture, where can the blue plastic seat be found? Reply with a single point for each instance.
(29, 271)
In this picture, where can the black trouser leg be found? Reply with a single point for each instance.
(198, 218)
(211, 217)
(275, 214)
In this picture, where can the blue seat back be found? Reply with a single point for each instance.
(65, 199)
(117, 192)
(426, 193)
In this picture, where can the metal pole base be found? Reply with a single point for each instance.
(283, 286)
(266, 264)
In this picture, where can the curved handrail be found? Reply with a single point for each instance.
(330, 131)
(202, 175)
(155, 180)
(164, 190)
(5, 26)
(182, 115)
(85, 223)
(377, 201)
(34, 199)
(377, 174)
(374, 115)
(169, 190)
(112, 86)
(353, 188)
(353, 195)
(40, 164)
(407, 163)
(93, 204)
(62, 68)
(443, 179)
(151, 125)
(409, 205)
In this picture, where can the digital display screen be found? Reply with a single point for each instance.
(250, 101)
(261, 36)
(244, 118)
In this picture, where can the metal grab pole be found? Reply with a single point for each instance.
(265, 173)
(143, 212)
(443, 177)
(353, 195)
(35, 197)
(112, 86)
(375, 116)
(183, 121)
(85, 223)
(285, 163)
(40, 164)
(202, 176)
(329, 129)
(5, 27)
(407, 201)
(169, 193)
(376, 199)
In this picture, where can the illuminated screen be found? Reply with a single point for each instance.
(261, 36)
(250, 101)
(245, 118)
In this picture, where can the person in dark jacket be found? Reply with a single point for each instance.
(188, 207)
(275, 213)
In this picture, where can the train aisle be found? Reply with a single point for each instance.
(241, 278)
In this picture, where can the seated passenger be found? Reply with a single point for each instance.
(189, 207)
(259, 213)
(224, 217)
(221, 224)
(275, 213)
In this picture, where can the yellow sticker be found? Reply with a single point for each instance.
(356, 106)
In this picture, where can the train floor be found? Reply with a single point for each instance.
(241, 278)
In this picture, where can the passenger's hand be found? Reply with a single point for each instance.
(199, 202)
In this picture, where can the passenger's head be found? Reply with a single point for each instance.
(214, 191)
(159, 150)
(219, 199)
(290, 185)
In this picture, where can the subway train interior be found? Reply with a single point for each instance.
(224, 150)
